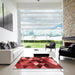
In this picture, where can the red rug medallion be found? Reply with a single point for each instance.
(37, 63)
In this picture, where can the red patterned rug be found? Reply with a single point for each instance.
(37, 63)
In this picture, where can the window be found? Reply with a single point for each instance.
(41, 24)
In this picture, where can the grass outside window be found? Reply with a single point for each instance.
(40, 44)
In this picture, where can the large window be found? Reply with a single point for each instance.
(40, 23)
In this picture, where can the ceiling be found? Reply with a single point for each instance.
(34, 4)
(42, 4)
(29, 1)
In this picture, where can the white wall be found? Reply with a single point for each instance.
(6, 35)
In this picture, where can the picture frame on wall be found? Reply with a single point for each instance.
(6, 17)
(1, 15)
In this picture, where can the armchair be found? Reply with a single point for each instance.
(69, 52)
(51, 45)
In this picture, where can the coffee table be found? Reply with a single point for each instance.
(40, 53)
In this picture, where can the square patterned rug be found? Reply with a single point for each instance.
(37, 63)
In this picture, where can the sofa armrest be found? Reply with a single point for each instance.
(6, 57)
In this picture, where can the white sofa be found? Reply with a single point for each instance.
(9, 55)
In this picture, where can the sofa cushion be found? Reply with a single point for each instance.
(17, 51)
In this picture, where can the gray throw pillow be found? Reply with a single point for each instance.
(9, 46)
(13, 44)
(3, 45)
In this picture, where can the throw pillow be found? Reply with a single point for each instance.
(3, 45)
(13, 44)
(9, 46)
